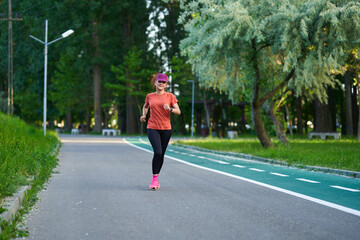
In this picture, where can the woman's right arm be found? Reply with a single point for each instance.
(145, 110)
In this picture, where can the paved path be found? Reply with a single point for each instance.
(101, 192)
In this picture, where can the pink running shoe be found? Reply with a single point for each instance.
(155, 183)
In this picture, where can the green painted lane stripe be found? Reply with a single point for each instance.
(272, 168)
(331, 189)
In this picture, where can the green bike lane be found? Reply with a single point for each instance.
(334, 191)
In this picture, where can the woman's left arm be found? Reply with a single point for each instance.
(175, 109)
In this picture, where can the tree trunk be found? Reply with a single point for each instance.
(243, 119)
(348, 105)
(198, 120)
(106, 119)
(279, 129)
(97, 82)
(131, 121)
(87, 121)
(118, 116)
(121, 119)
(259, 126)
(140, 124)
(306, 122)
(355, 112)
(322, 117)
(206, 130)
(318, 116)
(299, 116)
(181, 124)
(97, 98)
(332, 111)
(171, 23)
(131, 116)
(68, 121)
(289, 120)
(206, 111)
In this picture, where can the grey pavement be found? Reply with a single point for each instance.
(100, 191)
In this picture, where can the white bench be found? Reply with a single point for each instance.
(232, 134)
(108, 132)
(323, 135)
(75, 131)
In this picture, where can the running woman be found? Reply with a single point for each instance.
(162, 104)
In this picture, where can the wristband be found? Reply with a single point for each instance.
(171, 109)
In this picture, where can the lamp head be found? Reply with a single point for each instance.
(67, 33)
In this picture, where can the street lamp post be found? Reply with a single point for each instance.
(192, 108)
(46, 44)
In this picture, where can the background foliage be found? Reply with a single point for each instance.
(280, 64)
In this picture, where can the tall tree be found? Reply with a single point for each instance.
(133, 80)
(240, 45)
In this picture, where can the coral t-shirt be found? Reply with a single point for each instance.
(159, 117)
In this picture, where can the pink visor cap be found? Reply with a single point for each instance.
(161, 77)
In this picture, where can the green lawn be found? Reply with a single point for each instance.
(338, 154)
(24, 153)
(27, 157)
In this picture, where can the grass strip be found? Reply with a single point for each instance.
(27, 157)
(337, 154)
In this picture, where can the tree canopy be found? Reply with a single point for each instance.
(256, 48)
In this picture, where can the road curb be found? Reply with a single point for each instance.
(13, 204)
(341, 172)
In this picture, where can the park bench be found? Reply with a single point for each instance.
(323, 135)
(108, 132)
(75, 131)
(232, 134)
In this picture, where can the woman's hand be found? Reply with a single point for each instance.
(143, 118)
(144, 112)
(166, 107)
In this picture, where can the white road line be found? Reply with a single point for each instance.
(295, 194)
(307, 180)
(213, 160)
(256, 170)
(144, 141)
(347, 189)
(239, 166)
(184, 153)
(170, 150)
(192, 155)
(218, 161)
(279, 174)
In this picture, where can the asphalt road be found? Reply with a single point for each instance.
(101, 192)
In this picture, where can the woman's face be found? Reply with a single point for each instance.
(160, 85)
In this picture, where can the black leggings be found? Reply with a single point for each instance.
(159, 140)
